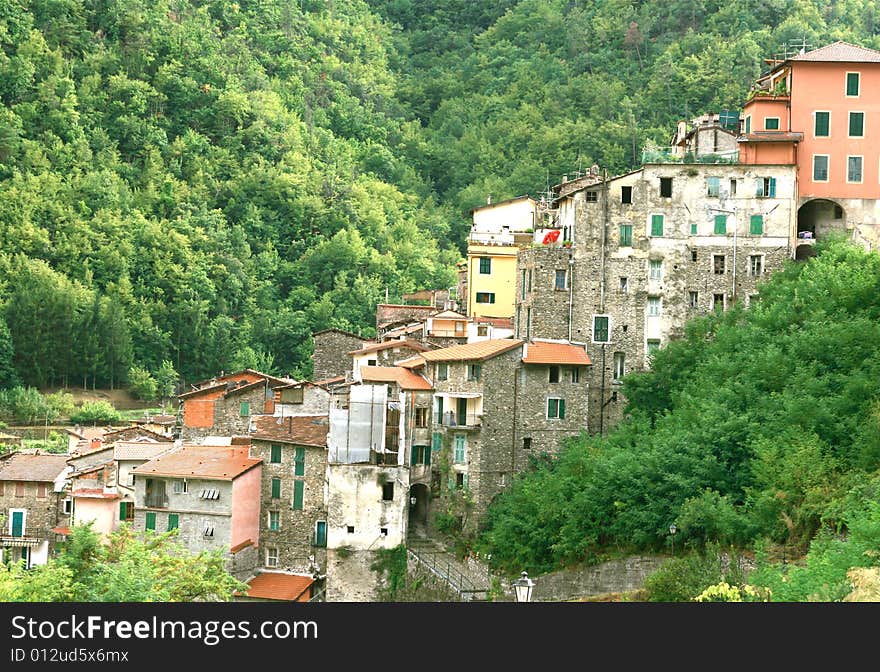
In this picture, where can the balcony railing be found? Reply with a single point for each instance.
(451, 419)
(447, 333)
(156, 501)
(677, 155)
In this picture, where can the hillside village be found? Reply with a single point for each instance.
(560, 297)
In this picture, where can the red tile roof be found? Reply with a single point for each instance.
(842, 52)
(449, 315)
(94, 493)
(303, 430)
(32, 467)
(470, 351)
(222, 463)
(278, 586)
(502, 322)
(406, 379)
(412, 362)
(63, 530)
(244, 544)
(543, 352)
(384, 345)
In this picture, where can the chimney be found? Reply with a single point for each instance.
(95, 443)
(489, 199)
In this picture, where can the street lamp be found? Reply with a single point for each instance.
(672, 530)
(522, 588)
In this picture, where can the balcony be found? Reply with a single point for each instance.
(156, 502)
(447, 333)
(460, 420)
(678, 155)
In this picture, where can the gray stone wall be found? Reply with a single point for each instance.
(330, 357)
(43, 513)
(349, 576)
(549, 434)
(294, 539)
(615, 576)
(228, 420)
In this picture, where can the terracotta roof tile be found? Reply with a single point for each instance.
(470, 351)
(140, 450)
(842, 52)
(303, 430)
(223, 463)
(26, 467)
(244, 544)
(406, 379)
(449, 315)
(503, 322)
(278, 586)
(384, 345)
(94, 493)
(412, 362)
(543, 352)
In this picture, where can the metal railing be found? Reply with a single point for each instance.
(156, 501)
(439, 565)
(676, 155)
(451, 419)
(447, 333)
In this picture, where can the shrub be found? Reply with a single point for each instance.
(682, 579)
(141, 383)
(95, 412)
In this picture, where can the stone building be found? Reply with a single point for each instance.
(303, 398)
(34, 506)
(210, 494)
(330, 357)
(293, 524)
(387, 353)
(649, 250)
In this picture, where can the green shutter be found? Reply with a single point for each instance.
(437, 441)
(693, 228)
(626, 235)
(321, 534)
(551, 408)
(852, 83)
(414, 456)
(299, 463)
(756, 225)
(856, 124)
(748, 124)
(772, 193)
(276, 488)
(150, 523)
(298, 487)
(123, 509)
(464, 480)
(426, 450)
(275, 454)
(173, 521)
(656, 225)
(720, 224)
(562, 408)
(18, 523)
(245, 408)
(822, 124)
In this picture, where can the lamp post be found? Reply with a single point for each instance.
(672, 530)
(522, 588)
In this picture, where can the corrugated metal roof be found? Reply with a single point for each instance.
(840, 52)
(542, 352)
(470, 351)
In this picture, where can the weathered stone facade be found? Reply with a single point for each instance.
(232, 412)
(649, 262)
(330, 356)
(294, 539)
(44, 511)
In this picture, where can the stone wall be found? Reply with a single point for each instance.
(349, 576)
(330, 357)
(43, 513)
(294, 540)
(549, 434)
(615, 576)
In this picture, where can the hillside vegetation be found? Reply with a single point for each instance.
(760, 425)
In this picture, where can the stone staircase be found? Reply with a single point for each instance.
(467, 580)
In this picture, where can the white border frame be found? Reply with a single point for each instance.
(846, 78)
(821, 137)
(778, 124)
(855, 156)
(827, 169)
(848, 117)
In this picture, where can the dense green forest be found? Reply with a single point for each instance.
(206, 182)
(759, 425)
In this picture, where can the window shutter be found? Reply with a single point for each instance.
(427, 452)
(656, 225)
(720, 224)
(756, 227)
(276, 488)
(275, 455)
(245, 408)
(414, 455)
(772, 193)
(298, 495)
(299, 464)
(122, 510)
(464, 480)
(173, 521)
(562, 408)
(150, 523)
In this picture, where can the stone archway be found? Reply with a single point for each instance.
(419, 496)
(817, 218)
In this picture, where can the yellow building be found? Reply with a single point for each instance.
(497, 233)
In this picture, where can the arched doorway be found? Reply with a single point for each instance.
(817, 218)
(418, 508)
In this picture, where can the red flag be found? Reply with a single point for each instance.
(551, 237)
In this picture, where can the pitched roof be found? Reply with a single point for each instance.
(157, 420)
(412, 362)
(140, 450)
(329, 382)
(406, 379)
(87, 432)
(495, 205)
(545, 352)
(468, 351)
(376, 347)
(135, 433)
(223, 463)
(32, 467)
(303, 430)
(503, 322)
(449, 315)
(339, 331)
(278, 586)
(226, 376)
(840, 52)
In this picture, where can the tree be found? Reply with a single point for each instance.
(95, 412)
(141, 383)
(8, 374)
(166, 382)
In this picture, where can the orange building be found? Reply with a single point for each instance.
(820, 110)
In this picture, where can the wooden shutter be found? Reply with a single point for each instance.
(276, 488)
(562, 408)
(414, 455)
(245, 408)
(298, 487)
(173, 521)
(299, 463)
(150, 523)
(123, 510)
(720, 224)
(18, 523)
(756, 225)
(656, 225)
(275, 455)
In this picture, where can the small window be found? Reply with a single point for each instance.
(756, 225)
(383, 531)
(41, 491)
(474, 371)
(485, 265)
(371, 362)
(720, 225)
(209, 493)
(655, 270)
(276, 488)
(765, 187)
(482, 330)
(626, 235)
(460, 449)
(601, 328)
(756, 265)
(713, 186)
(442, 371)
(421, 417)
(854, 169)
(275, 454)
(592, 196)
(852, 84)
(624, 284)
(733, 186)
(653, 345)
(748, 124)
(718, 302)
(560, 279)
(522, 293)
(626, 195)
(666, 187)
(485, 297)
(656, 225)
(693, 228)
(693, 299)
(209, 531)
(388, 492)
(655, 306)
(67, 506)
(771, 123)
(575, 375)
(619, 365)
(554, 374)
(719, 264)
(460, 481)
(693, 255)
(179, 486)
(527, 443)
(272, 557)
(244, 409)
(349, 529)
(822, 124)
(820, 168)
(556, 408)
(274, 520)
(856, 124)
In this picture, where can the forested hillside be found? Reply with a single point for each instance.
(759, 424)
(207, 182)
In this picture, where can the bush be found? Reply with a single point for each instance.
(141, 383)
(682, 579)
(94, 412)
